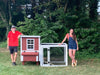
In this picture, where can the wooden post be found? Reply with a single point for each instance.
(23, 62)
(37, 63)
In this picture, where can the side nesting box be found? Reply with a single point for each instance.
(30, 48)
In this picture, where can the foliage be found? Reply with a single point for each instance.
(41, 27)
(88, 40)
(52, 19)
(53, 24)
(3, 19)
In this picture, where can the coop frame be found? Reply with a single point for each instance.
(48, 46)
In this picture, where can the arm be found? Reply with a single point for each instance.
(7, 43)
(63, 40)
(77, 44)
(19, 36)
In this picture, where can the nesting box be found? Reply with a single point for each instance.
(30, 48)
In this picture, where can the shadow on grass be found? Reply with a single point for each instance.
(29, 63)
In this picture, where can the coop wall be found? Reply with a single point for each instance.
(24, 43)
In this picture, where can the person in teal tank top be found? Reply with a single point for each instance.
(72, 45)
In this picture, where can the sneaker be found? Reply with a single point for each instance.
(14, 63)
(73, 64)
(76, 63)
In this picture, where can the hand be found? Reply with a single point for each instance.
(77, 48)
(18, 36)
(60, 44)
(7, 47)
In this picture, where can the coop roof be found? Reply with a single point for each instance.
(30, 36)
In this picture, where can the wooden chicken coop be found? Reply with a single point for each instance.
(30, 48)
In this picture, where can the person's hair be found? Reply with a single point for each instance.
(74, 36)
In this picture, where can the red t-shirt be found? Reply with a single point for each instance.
(13, 38)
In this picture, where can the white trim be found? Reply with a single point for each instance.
(36, 58)
(21, 57)
(39, 50)
(47, 45)
(30, 36)
(53, 44)
(30, 44)
(48, 55)
(48, 65)
(41, 56)
(66, 55)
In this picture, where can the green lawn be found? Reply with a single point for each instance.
(85, 67)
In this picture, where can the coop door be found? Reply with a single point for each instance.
(57, 55)
(54, 56)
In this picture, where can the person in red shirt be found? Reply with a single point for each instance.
(72, 45)
(12, 43)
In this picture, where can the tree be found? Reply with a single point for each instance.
(5, 13)
(41, 27)
(53, 19)
(7, 17)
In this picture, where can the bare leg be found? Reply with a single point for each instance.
(74, 51)
(12, 58)
(15, 56)
(75, 61)
(71, 54)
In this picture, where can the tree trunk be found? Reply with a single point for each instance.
(65, 8)
(93, 9)
(2, 17)
(8, 16)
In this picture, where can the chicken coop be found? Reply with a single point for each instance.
(45, 54)
(30, 48)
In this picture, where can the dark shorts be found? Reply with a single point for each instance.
(13, 49)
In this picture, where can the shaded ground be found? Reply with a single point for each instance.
(4, 50)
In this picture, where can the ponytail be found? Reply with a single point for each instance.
(74, 36)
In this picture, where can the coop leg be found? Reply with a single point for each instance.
(23, 62)
(37, 63)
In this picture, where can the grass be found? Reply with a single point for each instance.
(85, 67)
(3, 44)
